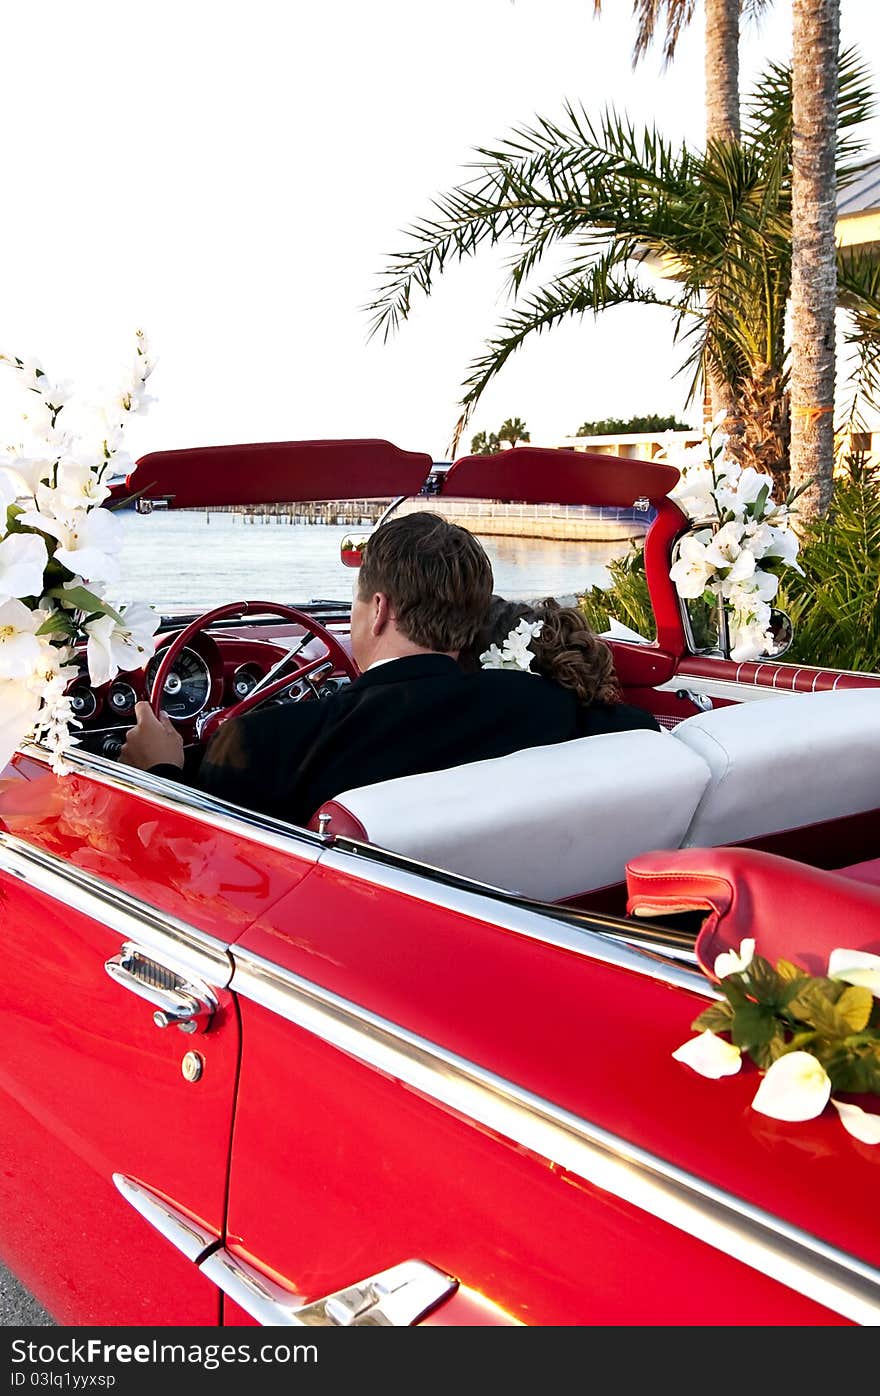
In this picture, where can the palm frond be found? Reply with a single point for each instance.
(585, 287)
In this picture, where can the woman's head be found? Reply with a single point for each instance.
(566, 650)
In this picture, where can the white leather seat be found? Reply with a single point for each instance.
(549, 822)
(784, 763)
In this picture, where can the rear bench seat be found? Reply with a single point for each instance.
(550, 822)
(780, 764)
(556, 822)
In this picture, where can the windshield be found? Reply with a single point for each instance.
(192, 560)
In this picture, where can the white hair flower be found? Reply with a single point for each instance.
(515, 651)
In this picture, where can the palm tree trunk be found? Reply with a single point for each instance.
(722, 70)
(815, 35)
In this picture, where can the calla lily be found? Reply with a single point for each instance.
(795, 1087)
(710, 1055)
(856, 967)
(733, 962)
(857, 1122)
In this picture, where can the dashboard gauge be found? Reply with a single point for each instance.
(244, 681)
(187, 687)
(83, 702)
(121, 697)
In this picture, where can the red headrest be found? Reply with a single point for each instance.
(792, 911)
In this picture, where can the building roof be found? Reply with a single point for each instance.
(861, 195)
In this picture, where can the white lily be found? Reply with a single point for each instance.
(23, 559)
(20, 646)
(859, 1123)
(796, 1087)
(709, 1055)
(87, 540)
(19, 706)
(856, 967)
(733, 961)
(112, 646)
(726, 550)
(79, 486)
(693, 570)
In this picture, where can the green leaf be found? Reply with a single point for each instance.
(57, 623)
(81, 599)
(754, 1025)
(832, 1014)
(717, 1018)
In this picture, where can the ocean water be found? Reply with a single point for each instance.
(193, 561)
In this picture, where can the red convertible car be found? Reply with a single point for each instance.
(413, 1064)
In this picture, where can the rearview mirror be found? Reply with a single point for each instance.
(351, 551)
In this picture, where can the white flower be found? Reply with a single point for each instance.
(726, 551)
(859, 1123)
(79, 486)
(9, 491)
(795, 1087)
(19, 706)
(693, 571)
(856, 967)
(784, 545)
(733, 962)
(515, 652)
(87, 540)
(112, 647)
(694, 492)
(20, 647)
(710, 1055)
(23, 559)
(749, 642)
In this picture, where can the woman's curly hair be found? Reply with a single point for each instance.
(566, 651)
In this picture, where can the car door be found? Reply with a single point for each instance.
(455, 1111)
(119, 1039)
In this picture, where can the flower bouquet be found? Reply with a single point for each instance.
(58, 558)
(810, 1035)
(739, 541)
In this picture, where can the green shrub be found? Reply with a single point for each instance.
(835, 606)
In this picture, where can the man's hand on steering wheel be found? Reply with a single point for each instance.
(153, 741)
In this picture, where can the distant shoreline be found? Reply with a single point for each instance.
(570, 523)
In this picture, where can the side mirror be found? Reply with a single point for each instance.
(782, 631)
(351, 551)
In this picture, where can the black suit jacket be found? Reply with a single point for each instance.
(421, 713)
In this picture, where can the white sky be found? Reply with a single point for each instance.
(231, 176)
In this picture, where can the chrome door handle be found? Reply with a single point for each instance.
(186, 1003)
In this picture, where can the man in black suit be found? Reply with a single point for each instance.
(422, 593)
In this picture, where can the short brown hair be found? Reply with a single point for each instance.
(566, 651)
(436, 576)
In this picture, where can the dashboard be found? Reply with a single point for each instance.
(213, 671)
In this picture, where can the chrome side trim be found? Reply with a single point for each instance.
(775, 1248)
(220, 814)
(181, 946)
(186, 1235)
(608, 949)
(395, 1298)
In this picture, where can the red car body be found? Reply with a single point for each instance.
(383, 1065)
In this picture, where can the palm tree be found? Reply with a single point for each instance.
(513, 431)
(815, 37)
(720, 217)
(721, 56)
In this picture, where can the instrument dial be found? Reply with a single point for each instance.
(188, 686)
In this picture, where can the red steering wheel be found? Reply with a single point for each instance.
(333, 650)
